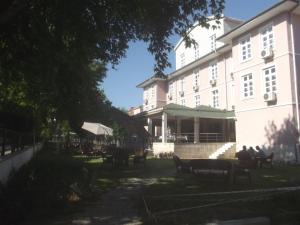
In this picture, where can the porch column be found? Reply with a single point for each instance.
(196, 130)
(178, 127)
(164, 126)
(149, 120)
(224, 130)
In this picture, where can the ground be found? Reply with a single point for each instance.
(164, 191)
(56, 189)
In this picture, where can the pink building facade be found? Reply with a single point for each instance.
(249, 72)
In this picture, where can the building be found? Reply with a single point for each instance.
(238, 86)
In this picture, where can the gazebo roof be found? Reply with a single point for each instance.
(201, 111)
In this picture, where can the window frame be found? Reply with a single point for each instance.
(244, 38)
(265, 27)
(196, 78)
(264, 87)
(197, 100)
(182, 59)
(196, 52)
(243, 87)
(213, 98)
(212, 42)
(216, 69)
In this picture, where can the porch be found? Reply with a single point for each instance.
(177, 128)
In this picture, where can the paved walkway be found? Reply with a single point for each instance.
(118, 206)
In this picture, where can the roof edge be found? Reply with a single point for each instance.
(222, 37)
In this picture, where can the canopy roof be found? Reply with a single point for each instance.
(201, 111)
(97, 128)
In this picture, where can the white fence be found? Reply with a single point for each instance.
(15, 161)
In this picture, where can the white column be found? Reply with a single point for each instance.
(196, 130)
(178, 127)
(164, 127)
(149, 120)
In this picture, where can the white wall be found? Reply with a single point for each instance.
(14, 162)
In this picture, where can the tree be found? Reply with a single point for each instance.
(53, 53)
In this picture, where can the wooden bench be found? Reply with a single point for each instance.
(180, 165)
(211, 168)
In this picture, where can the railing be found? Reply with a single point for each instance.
(189, 138)
(12, 141)
(211, 137)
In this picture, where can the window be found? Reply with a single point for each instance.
(212, 40)
(215, 98)
(182, 59)
(182, 102)
(245, 46)
(196, 77)
(152, 92)
(270, 79)
(213, 71)
(146, 95)
(197, 100)
(171, 88)
(247, 85)
(196, 51)
(181, 88)
(267, 37)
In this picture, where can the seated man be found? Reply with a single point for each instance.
(260, 153)
(245, 159)
(243, 154)
(252, 152)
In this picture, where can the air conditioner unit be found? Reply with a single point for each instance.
(196, 88)
(146, 101)
(170, 96)
(213, 82)
(267, 53)
(181, 93)
(269, 97)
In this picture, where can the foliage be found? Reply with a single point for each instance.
(42, 186)
(53, 53)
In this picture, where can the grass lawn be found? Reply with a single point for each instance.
(46, 186)
(179, 191)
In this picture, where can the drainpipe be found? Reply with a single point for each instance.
(294, 71)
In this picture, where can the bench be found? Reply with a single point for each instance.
(180, 165)
(211, 168)
(266, 161)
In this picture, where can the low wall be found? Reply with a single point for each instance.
(15, 161)
(196, 151)
(159, 147)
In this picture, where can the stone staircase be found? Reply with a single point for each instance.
(226, 151)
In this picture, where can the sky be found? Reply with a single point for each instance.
(120, 83)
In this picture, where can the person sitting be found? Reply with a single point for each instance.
(243, 154)
(260, 153)
(245, 159)
(252, 152)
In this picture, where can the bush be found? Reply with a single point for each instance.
(43, 185)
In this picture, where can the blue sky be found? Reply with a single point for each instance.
(120, 83)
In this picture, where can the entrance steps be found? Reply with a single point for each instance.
(222, 150)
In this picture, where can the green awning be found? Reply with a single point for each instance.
(200, 112)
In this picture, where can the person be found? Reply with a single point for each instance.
(243, 154)
(260, 153)
(252, 152)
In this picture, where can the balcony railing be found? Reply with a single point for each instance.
(189, 138)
